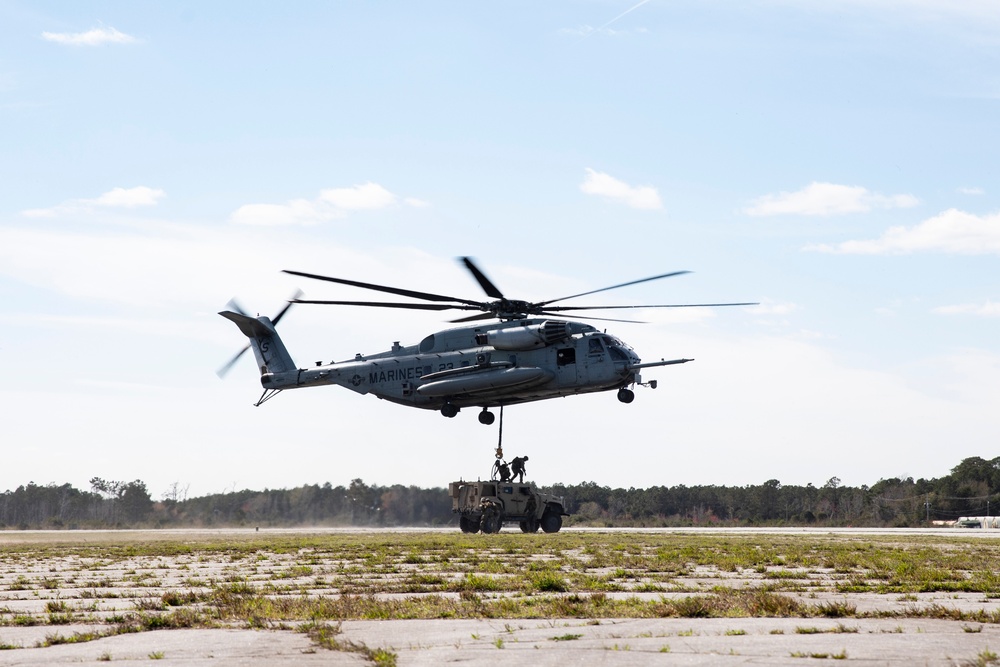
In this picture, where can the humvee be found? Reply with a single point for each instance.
(486, 506)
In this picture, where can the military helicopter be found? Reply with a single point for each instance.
(527, 355)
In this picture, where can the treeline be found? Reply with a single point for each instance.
(971, 489)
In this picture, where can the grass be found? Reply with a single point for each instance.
(986, 657)
(326, 635)
(315, 581)
(833, 656)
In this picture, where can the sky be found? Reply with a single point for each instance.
(836, 162)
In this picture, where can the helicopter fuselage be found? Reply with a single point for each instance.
(492, 365)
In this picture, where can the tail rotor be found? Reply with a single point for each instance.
(235, 307)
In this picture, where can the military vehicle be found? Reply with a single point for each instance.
(486, 506)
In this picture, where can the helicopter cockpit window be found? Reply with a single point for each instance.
(595, 346)
(617, 354)
(611, 341)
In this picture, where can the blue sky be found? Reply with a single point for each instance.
(836, 162)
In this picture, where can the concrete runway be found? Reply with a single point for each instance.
(539, 642)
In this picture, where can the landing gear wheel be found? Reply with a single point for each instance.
(486, 417)
(626, 395)
(529, 525)
(551, 522)
(449, 410)
(468, 525)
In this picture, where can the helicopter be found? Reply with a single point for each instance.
(527, 354)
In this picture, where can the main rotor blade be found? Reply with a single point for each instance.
(484, 282)
(474, 318)
(281, 313)
(605, 289)
(591, 317)
(426, 296)
(658, 305)
(386, 304)
(225, 369)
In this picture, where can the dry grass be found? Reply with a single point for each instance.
(311, 582)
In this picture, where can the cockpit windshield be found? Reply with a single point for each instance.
(615, 347)
(611, 341)
(618, 349)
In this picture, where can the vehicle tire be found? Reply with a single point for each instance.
(551, 521)
(468, 525)
(626, 395)
(491, 524)
(487, 417)
(449, 410)
(529, 525)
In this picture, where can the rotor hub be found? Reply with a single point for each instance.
(509, 309)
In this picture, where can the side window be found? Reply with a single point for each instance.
(566, 356)
(595, 346)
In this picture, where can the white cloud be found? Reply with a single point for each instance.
(988, 309)
(186, 270)
(955, 232)
(114, 198)
(359, 197)
(130, 197)
(331, 203)
(295, 212)
(827, 199)
(772, 308)
(972, 191)
(94, 37)
(641, 197)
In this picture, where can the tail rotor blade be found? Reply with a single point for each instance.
(225, 369)
(235, 306)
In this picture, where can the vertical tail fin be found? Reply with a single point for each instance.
(272, 357)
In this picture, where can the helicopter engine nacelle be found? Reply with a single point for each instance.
(530, 337)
